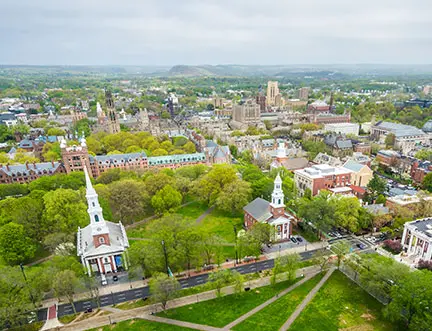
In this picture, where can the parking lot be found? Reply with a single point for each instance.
(286, 245)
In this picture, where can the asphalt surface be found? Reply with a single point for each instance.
(144, 292)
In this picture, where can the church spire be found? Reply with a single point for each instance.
(277, 197)
(94, 209)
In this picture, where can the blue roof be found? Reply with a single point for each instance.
(178, 158)
(354, 166)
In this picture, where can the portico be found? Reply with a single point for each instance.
(417, 239)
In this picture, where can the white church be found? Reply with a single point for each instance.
(101, 245)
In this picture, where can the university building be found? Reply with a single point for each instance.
(417, 239)
(272, 213)
(101, 245)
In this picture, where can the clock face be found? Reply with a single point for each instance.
(99, 229)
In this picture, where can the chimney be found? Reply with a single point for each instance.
(34, 165)
(27, 166)
(52, 163)
(7, 166)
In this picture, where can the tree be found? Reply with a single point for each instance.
(390, 140)
(128, 199)
(140, 256)
(109, 176)
(163, 288)
(347, 213)
(154, 183)
(321, 258)
(411, 300)
(238, 279)
(167, 199)
(290, 263)
(159, 152)
(15, 246)
(376, 186)
(277, 269)
(189, 240)
(56, 132)
(263, 233)
(64, 211)
(64, 284)
(320, 211)
(234, 197)
(54, 240)
(28, 212)
(427, 182)
(220, 279)
(341, 249)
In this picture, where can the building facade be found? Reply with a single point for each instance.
(322, 177)
(101, 245)
(247, 113)
(272, 213)
(361, 173)
(417, 240)
(272, 93)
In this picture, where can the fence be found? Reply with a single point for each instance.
(354, 276)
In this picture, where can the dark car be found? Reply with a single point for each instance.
(299, 239)
(89, 310)
(294, 240)
(361, 246)
(115, 278)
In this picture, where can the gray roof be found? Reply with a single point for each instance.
(118, 242)
(36, 168)
(400, 130)
(258, 209)
(354, 166)
(377, 209)
(118, 158)
(427, 127)
(294, 163)
(343, 144)
(178, 158)
(424, 225)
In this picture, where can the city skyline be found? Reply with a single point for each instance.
(215, 32)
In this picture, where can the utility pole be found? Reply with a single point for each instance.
(236, 254)
(25, 278)
(166, 257)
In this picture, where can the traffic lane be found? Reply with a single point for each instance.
(143, 292)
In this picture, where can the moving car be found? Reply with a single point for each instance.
(294, 240)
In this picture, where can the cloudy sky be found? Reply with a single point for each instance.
(168, 32)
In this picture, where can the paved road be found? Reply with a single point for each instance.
(143, 292)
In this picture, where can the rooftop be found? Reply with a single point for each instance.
(423, 225)
(400, 130)
(354, 166)
(322, 170)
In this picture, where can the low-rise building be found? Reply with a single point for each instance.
(273, 213)
(417, 239)
(361, 174)
(407, 201)
(321, 177)
(343, 128)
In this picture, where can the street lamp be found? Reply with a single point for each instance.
(166, 257)
(25, 278)
(236, 254)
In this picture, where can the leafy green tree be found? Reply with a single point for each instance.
(347, 213)
(427, 182)
(219, 279)
(109, 176)
(128, 200)
(56, 132)
(238, 280)
(411, 300)
(74, 181)
(28, 212)
(159, 152)
(167, 199)
(154, 183)
(321, 258)
(9, 190)
(65, 283)
(189, 147)
(141, 256)
(376, 186)
(341, 249)
(189, 240)
(390, 140)
(15, 246)
(289, 264)
(163, 288)
(234, 197)
(320, 211)
(64, 211)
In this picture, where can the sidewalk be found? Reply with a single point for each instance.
(143, 312)
(142, 283)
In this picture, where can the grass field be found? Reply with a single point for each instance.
(222, 224)
(342, 305)
(221, 311)
(274, 316)
(136, 325)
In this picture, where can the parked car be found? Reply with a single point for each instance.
(294, 240)
(88, 310)
(103, 280)
(115, 278)
(361, 246)
(299, 239)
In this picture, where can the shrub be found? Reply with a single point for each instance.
(425, 265)
(394, 246)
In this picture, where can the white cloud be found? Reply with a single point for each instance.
(215, 31)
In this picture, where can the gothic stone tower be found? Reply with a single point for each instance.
(113, 124)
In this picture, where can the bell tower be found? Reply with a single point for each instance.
(99, 228)
(277, 206)
(113, 118)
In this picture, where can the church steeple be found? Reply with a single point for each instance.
(277, 205)
(97, 222)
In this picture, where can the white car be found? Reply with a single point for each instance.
(103, 280)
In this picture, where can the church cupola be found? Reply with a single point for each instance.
(277, 206)
(99, 227)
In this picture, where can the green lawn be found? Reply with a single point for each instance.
(275, 315)
(142, 325)
(221, 311)
(222, 224)
(342, 305)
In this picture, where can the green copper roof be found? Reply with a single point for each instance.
(178, 158)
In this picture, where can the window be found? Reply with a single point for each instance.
(279, 201)
(93, 204)
(96, 218)
(101, 240)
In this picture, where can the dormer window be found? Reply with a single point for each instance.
(101, 240)
(93, 204)
(96, 218)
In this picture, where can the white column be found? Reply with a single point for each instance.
(99, 264)
(87, 264)
(428, 255)
(410, 242)
(113, 263)
(405, 231)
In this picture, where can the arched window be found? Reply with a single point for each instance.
(96, 218)
(101, 240)
(279, 201)
(93, 204)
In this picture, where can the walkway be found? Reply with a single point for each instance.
(180, 323)
(306, 300)
(52, 320)
(268, 302)
(201, 217)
